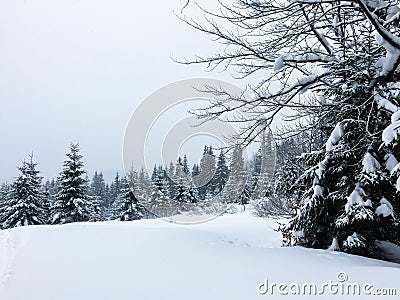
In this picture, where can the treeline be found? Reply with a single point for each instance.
(69, 198)
(172, 189)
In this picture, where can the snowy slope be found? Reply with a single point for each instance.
(226, 258)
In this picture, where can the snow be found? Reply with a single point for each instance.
(390, 162)
(392, 55)
(321, 167)
(395, 116)
(318, 191)
(393, 14)
(356, 198)
(334, 246)
(335, 21)
(385, 103)
(385, 209)
(151, 259)
(306, 80)
(278, 64)
(395, 169)
(351, 238)
(335, 136)
(391, 132)
(370, 164)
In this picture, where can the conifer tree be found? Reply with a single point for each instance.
(127, 206)
(170, 182)
(115, 188)
(236, 185)
(144, 185)
(207, 170)
(98, 188)
(159, 202)
(221, 174)
(72, 203)
(24, 203)
(185, 167)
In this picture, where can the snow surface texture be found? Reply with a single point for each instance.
(226, 258)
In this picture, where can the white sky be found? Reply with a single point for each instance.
(76, 70)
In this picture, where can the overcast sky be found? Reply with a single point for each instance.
(74, 71)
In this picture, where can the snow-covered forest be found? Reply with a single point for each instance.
(318, 200)
(172, 189)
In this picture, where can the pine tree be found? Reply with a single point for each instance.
(114, 191)
(236, 185)
(154, 175)
(159, 204)
(4, 190)
(221, 174)
(127, 206)
(195, 170)
(207, 170)
(24, 202)
(98, 196)
(348, 182)
(185, 167)
(186, 193)
(170, 182)
(144, 185)
(98, 188)
(72, 204)
(51, 189)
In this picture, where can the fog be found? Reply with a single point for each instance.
(74, 71)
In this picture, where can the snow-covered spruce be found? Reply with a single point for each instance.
(73, 203)
(24, 202)
(127, 206)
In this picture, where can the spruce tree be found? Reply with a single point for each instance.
(170, 181)
(186, 193)
(24, 202)
(115, 188)
(98, 188)
(235, 189)
(348, 180)
(98, 196)
(221, 174)
(144, 185)
(72, 203)
(185, 167)
(159, 203)
(127, 206)
(204, 180)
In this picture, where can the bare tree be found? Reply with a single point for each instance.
(298, 46)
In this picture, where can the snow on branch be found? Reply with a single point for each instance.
(306, 58)
(370, 164)
(385, 39)
(391, 133)
(335, 136)
(385, 104)
(385, 208)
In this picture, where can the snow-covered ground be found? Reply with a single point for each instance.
(227, 258)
